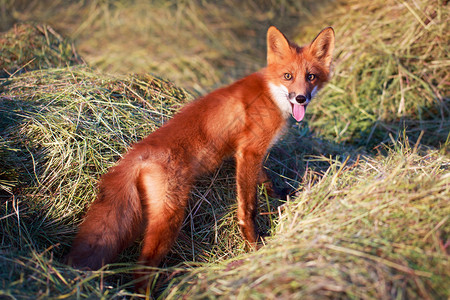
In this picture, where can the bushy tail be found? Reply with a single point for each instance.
(113, 221)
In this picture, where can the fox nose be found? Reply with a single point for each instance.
(300, 99)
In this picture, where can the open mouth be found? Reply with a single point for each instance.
(298, 111)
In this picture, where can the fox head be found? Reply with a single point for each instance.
(295, 74)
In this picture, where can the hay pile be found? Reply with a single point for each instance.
(29, 47)
(392, 72)
(377, 228)
(60, 129)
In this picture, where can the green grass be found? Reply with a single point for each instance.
(370, 165)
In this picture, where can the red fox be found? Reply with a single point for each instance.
(147, 191)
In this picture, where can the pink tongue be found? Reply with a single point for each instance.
(298, 111)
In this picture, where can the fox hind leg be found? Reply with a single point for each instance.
(164, 203)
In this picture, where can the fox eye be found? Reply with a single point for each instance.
(311, 77)
(287, 76)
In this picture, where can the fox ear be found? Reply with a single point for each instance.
(277, 45)
(323, 45)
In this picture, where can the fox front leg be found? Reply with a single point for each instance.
(248, 167)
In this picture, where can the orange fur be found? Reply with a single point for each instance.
(147, 191)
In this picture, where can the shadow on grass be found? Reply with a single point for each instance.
(432, 129)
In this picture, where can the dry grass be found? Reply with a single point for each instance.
(199, 45)
(27, 47)
(392, 72)
(377, 228)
